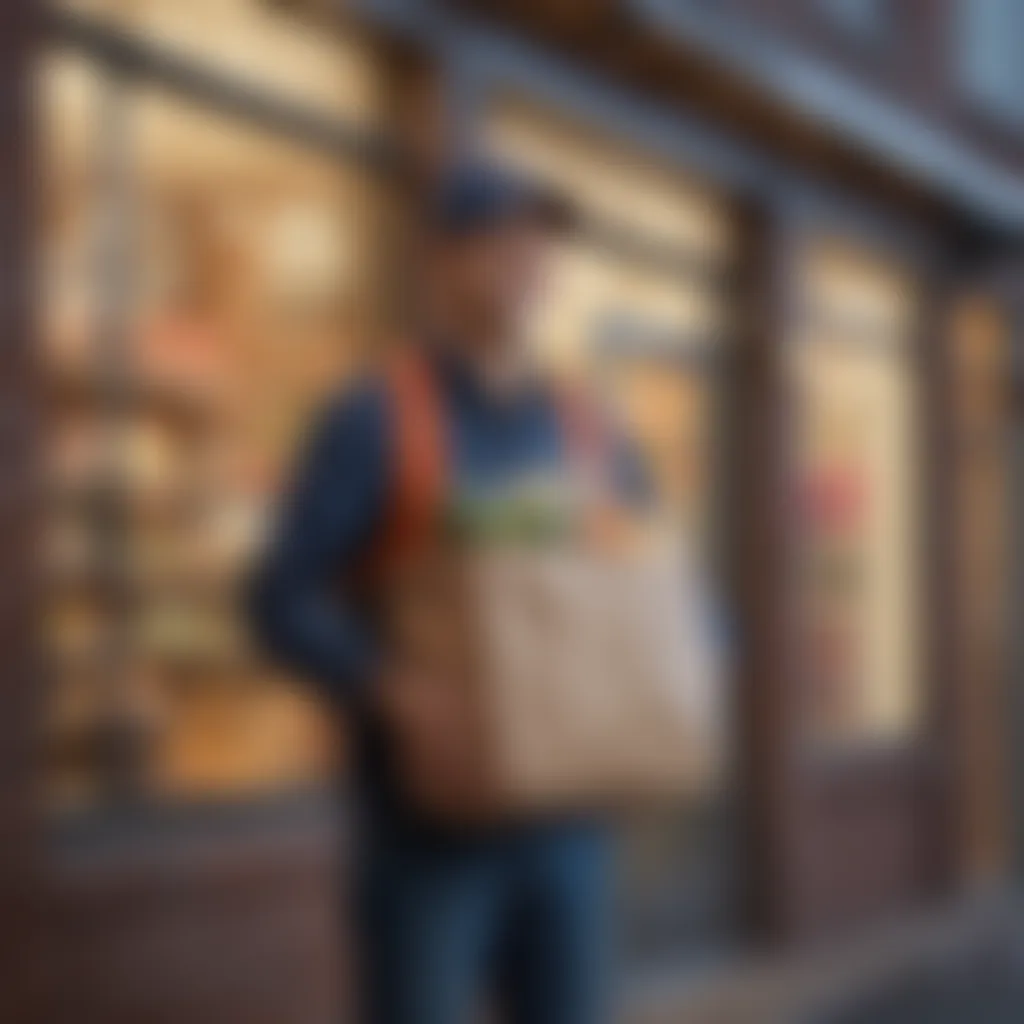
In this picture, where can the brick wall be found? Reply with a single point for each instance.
(194, 928)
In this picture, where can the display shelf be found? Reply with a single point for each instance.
(127, 502)
(188, 407)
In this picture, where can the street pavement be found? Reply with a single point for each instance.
(980, 986)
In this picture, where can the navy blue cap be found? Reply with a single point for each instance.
(475, 198)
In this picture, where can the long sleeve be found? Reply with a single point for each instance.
(298, 605)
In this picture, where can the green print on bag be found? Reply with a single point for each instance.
(532, 511)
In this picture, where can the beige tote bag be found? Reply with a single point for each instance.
(571, 679)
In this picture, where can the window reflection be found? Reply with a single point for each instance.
(856, 490)
(184, 363)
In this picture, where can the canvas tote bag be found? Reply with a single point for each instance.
(575, 673)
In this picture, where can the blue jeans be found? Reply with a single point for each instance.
(520, 924)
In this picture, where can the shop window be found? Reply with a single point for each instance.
(204, 286)
(856, 482)
(638, 306)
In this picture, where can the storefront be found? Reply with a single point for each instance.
(217, 231)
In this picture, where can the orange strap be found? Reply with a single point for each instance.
(420, 458)
(419, 466)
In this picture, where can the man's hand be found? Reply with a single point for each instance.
(433, 731)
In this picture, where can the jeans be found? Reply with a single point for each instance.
(519, 924)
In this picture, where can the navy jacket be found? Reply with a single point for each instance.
(331, 516)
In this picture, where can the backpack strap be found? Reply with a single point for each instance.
(419, 464)
(419, 469)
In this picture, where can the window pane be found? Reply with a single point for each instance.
(223, 281)
(857, 483)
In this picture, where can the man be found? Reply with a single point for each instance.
(517, 915)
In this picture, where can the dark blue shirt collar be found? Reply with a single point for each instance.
(461, 378)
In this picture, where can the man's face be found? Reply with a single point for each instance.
(493, 280)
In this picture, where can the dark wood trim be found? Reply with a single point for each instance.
(1014, 296)
(761, 533)
(21, 668)
(940, 606)
(970, 699)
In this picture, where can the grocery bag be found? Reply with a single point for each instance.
(575, 677)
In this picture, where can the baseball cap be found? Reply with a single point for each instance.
(473, 198)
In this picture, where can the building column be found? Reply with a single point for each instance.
(21, 438)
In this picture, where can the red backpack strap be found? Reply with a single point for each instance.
(419, 467)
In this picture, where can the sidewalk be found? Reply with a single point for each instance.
(963, 967)
(983, 985)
